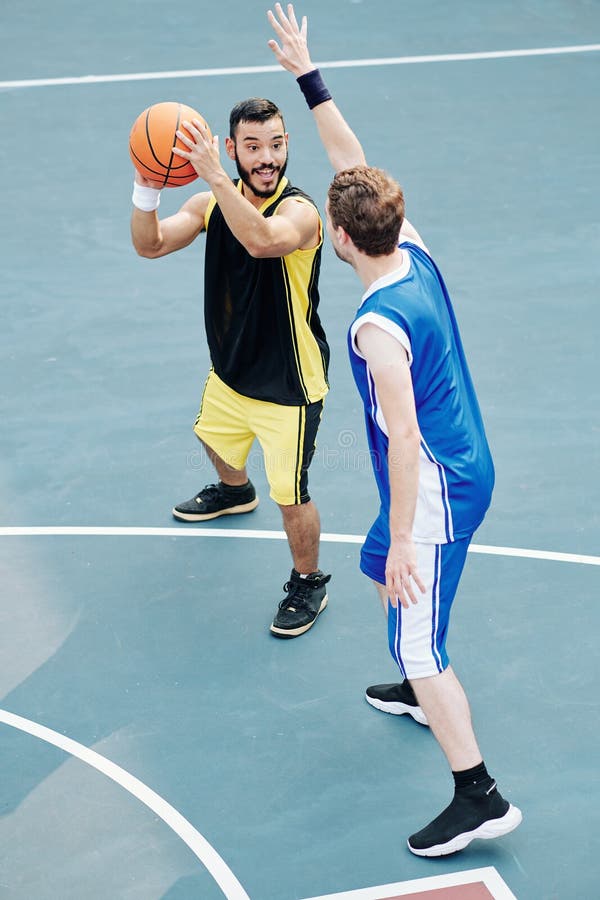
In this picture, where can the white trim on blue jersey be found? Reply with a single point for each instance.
(385, 325)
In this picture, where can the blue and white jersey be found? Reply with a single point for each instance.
(456, 472)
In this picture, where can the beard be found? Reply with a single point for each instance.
(245, 175)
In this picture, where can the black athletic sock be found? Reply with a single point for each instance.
(410, 694)
(476, 780)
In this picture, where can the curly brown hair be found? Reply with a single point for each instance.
(369, 205)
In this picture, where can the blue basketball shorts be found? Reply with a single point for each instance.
(417, 635)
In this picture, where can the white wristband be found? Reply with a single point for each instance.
(145, 198)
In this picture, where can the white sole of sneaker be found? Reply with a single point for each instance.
(493, 828)
(203, 517)
(399, 709)
(295, 632)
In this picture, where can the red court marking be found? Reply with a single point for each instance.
(474, 884)
(460, 892)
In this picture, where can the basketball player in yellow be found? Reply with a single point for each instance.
(268, 349)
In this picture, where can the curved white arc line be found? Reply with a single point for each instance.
(255, 534)
(332, 64)
(207, 855)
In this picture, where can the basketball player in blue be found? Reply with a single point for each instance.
(431, 459)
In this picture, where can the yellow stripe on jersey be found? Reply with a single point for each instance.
(299, 271)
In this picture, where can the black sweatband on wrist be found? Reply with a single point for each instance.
(314, 88)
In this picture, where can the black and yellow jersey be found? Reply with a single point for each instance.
(265, 337)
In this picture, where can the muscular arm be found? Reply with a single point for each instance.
(388, 363)
(295, 225)
(153, 237)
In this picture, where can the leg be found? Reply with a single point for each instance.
(223, 430)
(306, 592)
(303, 528)
(445, 708)
(383, 596)
(289, 449)
(417, 640)
(477, 809)
(227, 474)
(287, 436)
(443, 700)
(421, 654)
(397, 698)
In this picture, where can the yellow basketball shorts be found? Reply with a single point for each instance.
(229, 422)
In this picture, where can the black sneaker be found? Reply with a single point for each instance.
(397, 699)
(472, 814)
(306, 598)
(216, 500)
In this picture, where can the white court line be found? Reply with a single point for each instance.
(488, 876)
(102, 531)
(333, 64)
(207, 855)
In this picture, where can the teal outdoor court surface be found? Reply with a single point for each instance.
(156, 743)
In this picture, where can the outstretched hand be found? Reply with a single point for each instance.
(292, 50)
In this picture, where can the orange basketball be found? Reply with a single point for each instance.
(152, 140)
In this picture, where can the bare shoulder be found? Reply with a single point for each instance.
(298, 208)
(380, 348)
(197, 204)
(303, 216)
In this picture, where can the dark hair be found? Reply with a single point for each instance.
(256, 109)
(369, 205)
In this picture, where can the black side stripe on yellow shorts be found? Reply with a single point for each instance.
(309, 418)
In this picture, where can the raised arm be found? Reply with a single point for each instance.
(291, 51)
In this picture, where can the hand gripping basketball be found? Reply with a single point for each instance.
(152, 139)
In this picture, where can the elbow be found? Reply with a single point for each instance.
(344, 160)
(262, 251)
(408, 436)
(255, 250)
(148, 251)
(260, 247)
(262, 241)
(348, 162)
(147, 245)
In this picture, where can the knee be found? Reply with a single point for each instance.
(293, 509)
